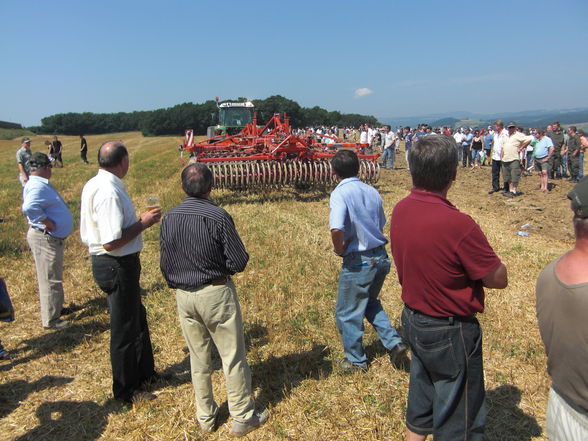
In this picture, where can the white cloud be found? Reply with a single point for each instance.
(362, 91)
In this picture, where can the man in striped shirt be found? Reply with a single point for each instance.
(200, 250)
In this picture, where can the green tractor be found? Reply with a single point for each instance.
(232, 117)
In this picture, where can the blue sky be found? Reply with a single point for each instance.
(384, 58)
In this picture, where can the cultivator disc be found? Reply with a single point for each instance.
(295, 173)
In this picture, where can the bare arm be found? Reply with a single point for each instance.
(22, 171)
(146, 220)
(338, 238)
(524, 145)
(496, 279)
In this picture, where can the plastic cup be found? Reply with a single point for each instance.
(152, 203)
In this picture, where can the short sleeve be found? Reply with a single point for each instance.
(338, 212)
(109, 218)
(476, 255)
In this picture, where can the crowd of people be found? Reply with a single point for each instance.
(443, 261)
(512, 151)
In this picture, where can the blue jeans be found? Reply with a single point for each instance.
(360, 282)
(581, 175)
(389, 154)
(446, 395)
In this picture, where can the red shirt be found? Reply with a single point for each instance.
(441, 255)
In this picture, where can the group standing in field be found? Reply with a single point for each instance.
(443, 261)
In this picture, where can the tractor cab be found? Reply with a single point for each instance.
(232, 117)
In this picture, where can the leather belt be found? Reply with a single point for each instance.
(219, 281)
(449, 319)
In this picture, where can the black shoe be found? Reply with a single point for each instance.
(67, 310)
(157, 377)
(398, 354)
(140, 396)
(494, 190)
(518, 193)
(508, 194)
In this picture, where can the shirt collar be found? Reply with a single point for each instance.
(427, 196)
(106, 175)
(39, 178)
(347, 180)
(192, 199)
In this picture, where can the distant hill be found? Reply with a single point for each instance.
(9, 125)
(530, 118)
(14, 133)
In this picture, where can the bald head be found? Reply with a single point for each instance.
(111, 154)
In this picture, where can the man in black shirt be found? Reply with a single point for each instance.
(84, 149)
(200, 250)
(56, 150)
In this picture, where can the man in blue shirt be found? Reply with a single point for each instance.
(488, 141)
(543, 151)
(467, 145)
(50, 223)
(356, 222)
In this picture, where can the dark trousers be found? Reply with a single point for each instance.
(131, 355)
(574, 165)
(466, 156)
(446, 395)
(84, 156)
(554, 165)
(496, 166)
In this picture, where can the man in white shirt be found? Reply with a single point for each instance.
(363, 134)
(459, 137)
(389, 147)
(112, 232)
(500, 136)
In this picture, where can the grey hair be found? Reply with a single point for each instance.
(433, 162)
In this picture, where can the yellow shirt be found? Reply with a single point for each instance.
(512, 144)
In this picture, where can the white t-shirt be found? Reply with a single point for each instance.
(390, 139)
(499, 138)
(363, 137)
(106, 209)
(459, 138)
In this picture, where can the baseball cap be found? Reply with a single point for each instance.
(25, 140)
(511, 124)
(39, 160)
(579, 198)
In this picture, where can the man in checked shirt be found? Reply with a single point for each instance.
(200, 250)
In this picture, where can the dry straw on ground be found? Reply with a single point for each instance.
(58, 387)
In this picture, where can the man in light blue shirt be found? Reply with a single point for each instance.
(50, 223)
(543, 151)
(467, 148)
(356, 221)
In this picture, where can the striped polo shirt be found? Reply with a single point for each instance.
(199, 243)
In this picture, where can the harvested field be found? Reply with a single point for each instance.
(58, 386)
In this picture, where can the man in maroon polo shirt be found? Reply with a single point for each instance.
(444, 261)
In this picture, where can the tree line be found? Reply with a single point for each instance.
(174, 120)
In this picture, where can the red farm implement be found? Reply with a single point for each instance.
(272, 156)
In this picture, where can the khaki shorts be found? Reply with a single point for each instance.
(540, 165)
(511, 171)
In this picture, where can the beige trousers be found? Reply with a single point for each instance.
(212, 315)
(48, 254)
